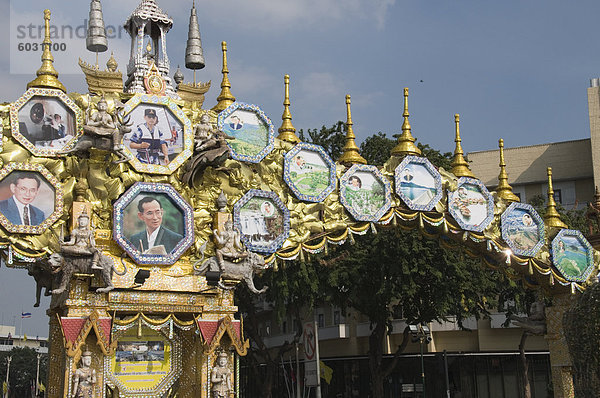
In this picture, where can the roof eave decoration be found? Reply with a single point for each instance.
(74, 341)
(212, 338)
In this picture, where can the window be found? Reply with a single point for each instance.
(518, 196)
(284, 327)
(321, 320)
(557, 196)
(336, 317)
(295, 325)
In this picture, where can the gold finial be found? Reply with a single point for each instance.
(225, 98)
(460, 167)
(287, 132)
(504, 190)
(351, 153)
(112, 64)
(47, 76)
(552, 218)
(406, 142)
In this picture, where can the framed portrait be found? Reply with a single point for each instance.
(31, 198)
(251, 131)
(161, 136)
(309, 172)
(365, 193)
(471, 205)
(146, 366)
(572, 255)
(263, 221)
(418, 183)
(523, 229)
(45, 121)
(153, 223)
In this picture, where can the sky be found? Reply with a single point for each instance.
(516, 70)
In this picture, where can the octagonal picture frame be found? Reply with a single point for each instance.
(471, 205)
(46, 122)
(309, 172)
(164, 358)
(523, 229)
(132, 227)
(365, 193)
(48, 198)
(262, 220)
(175, 139)
(418, 183)
(572, 255)
(253, 135)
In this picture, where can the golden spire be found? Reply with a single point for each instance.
(552, 218)
(287, 132)
(460, 167)
(351, 153)
(225, 98)
(47, 76)
(406, 142)
(504, 190)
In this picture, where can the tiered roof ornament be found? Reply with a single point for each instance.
(226, 98)
(351, 154)
(460, 167)
(504, 190)
(552, 218)
(148, 26)
(194, 56)
(287, 131)
(47, 76)
(96, 40)
(406, 142)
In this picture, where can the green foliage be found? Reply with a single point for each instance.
(376, 149)
(332, 139)
(574, 218)
(23, 369)
(582, 331)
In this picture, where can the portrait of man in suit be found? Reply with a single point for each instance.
(18, 209)
(155, 238)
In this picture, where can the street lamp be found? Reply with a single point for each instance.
(422, 334)
(37, 376)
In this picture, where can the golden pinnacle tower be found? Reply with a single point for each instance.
(504, 190)
(406, 142)
(552, 218)
(460, 167)
(351, 152)
(225, 98)
(287, 132)
(47, 76)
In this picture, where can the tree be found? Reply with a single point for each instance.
(582, 331)
(293, 289)
(398, 271)
(23, 368)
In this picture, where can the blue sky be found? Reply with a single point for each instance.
(513, 69)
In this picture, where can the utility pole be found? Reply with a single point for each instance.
(8, 359)
(297, 373)
(37, 375)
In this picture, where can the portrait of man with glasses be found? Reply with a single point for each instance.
(154, 238)
(24, 188)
